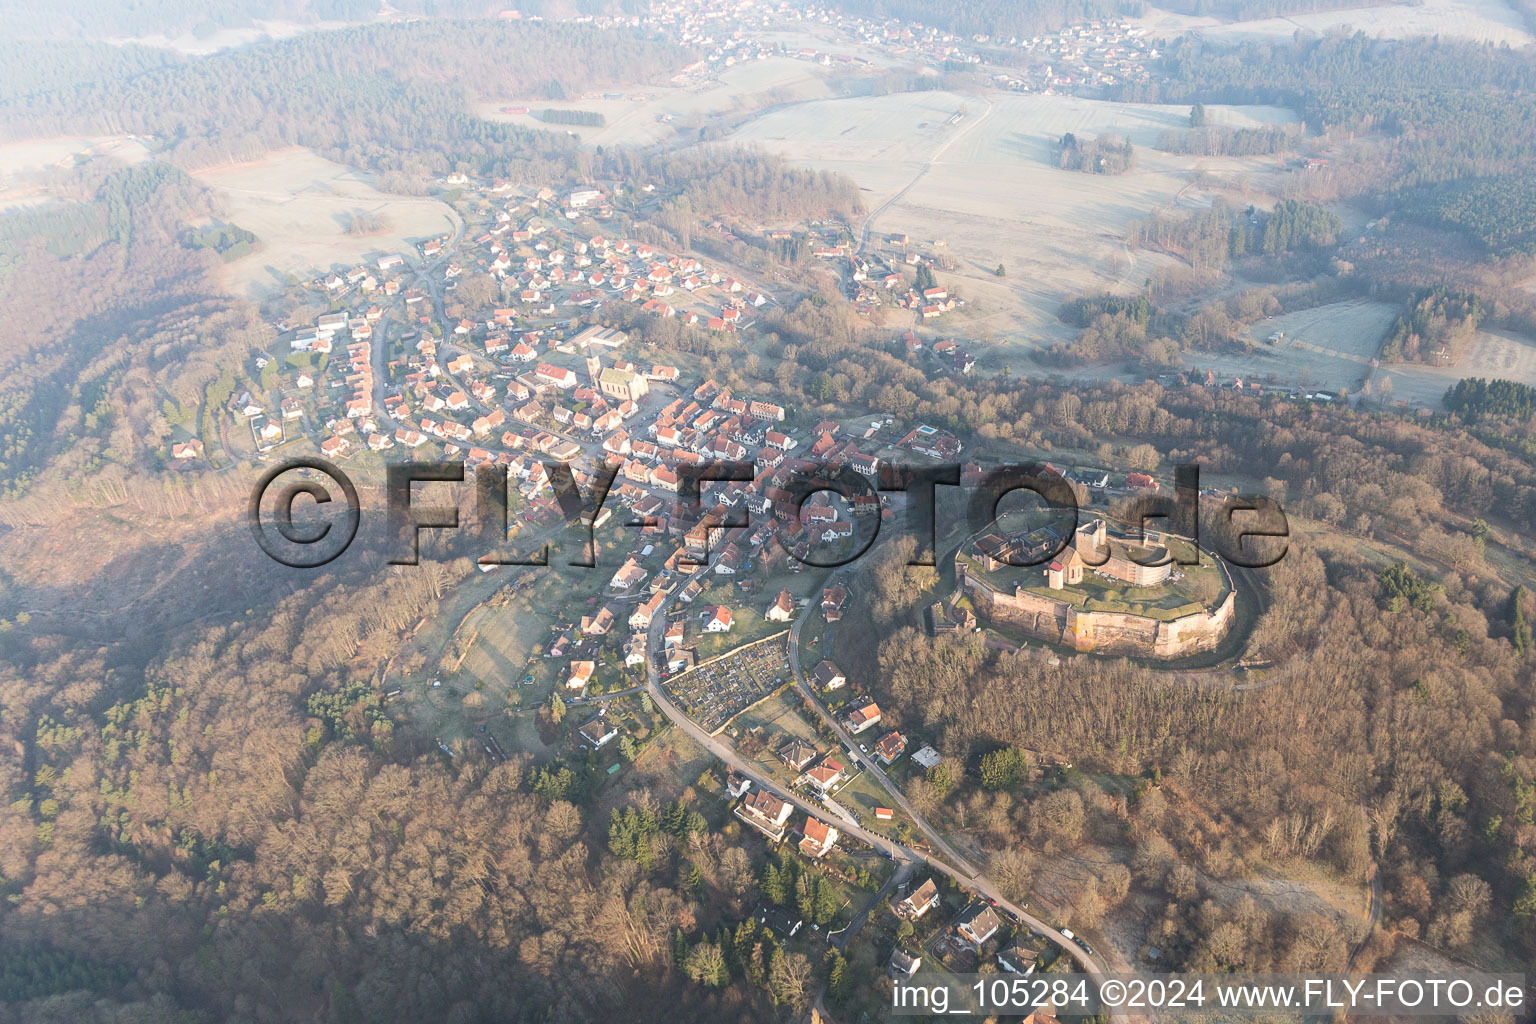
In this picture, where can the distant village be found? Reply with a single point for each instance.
(1088, 55)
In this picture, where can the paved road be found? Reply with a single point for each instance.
(901, 874)
(732, 759)
(967, 879)
(381, 337)
(1372, 916)
(870, 763)
(602, 697)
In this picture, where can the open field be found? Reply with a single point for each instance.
(24, 165)
(192, 45)
(1496, 355)
(1329, 347)
(780, 717)
(636, 117)
(667, 766)
(298, 204)
(1489, 21)
(63, 150)
(978, 173)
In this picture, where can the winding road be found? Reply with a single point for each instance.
(967, 877)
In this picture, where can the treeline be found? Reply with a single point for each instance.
(230, 241)
(1473, 398)
(1355, 644)
(1106, 154)
(589, 118)
(409, 84)
(1436, 326)
(1498, 214)
(1209, 239)
(1450, 110)
(1221, 140)
(74, 19)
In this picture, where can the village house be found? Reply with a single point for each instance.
(903, 964)
(890, 747)
(599, 624)
(862, 718)
(1021, 957)
(782, 609)
(825, 776)
(766, 813)
(829, 676)
(597, 732)
(581, 674)
(559, 376)
(977, 924)
(641, 617)
(797, 753)
(817, 838)
(634, 650)
(918, 902)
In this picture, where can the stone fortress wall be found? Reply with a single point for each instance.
(1103, 632)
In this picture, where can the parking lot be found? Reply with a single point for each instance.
(718, 691)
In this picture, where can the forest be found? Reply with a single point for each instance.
(1437, 324)
(410, 84)
(85, 19)
(1499, 214)
(1210, 239)
(237, 788)
(1448, 109)
(1107, 154)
